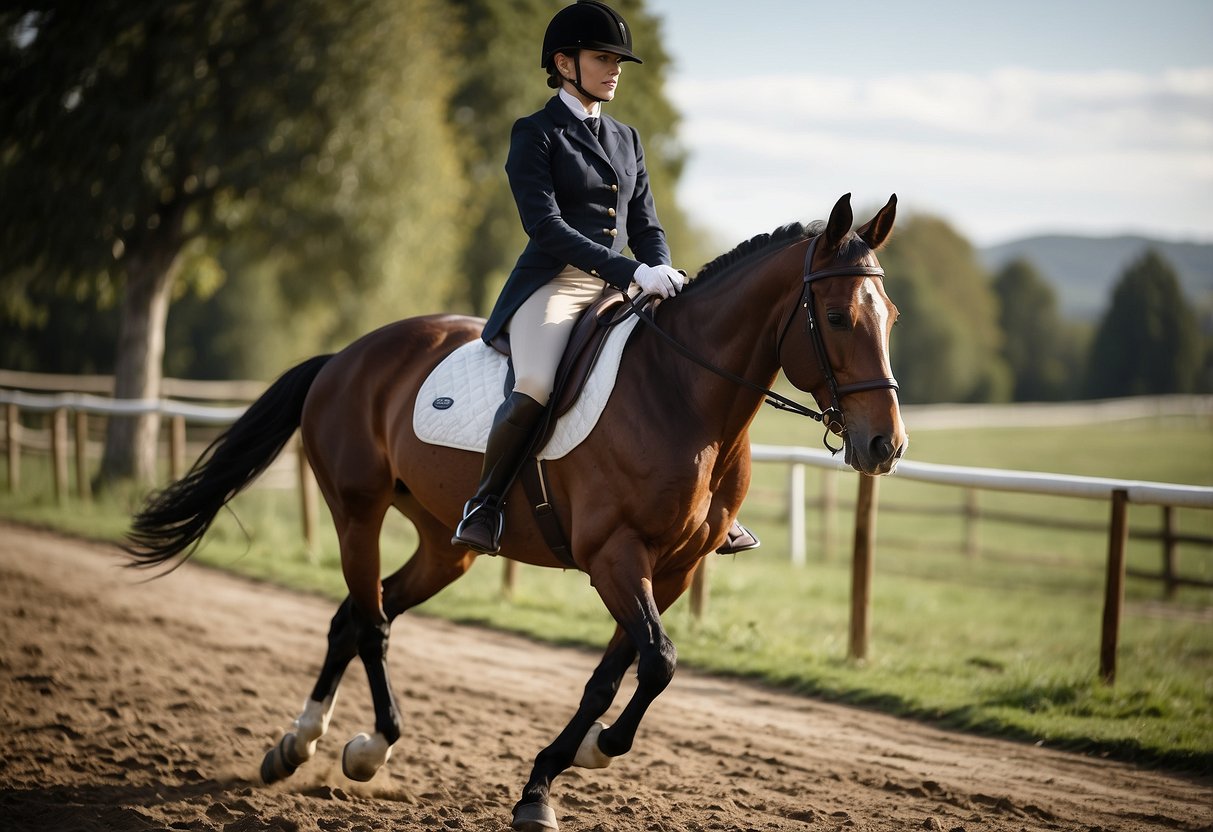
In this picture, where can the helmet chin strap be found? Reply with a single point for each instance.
(577, 81)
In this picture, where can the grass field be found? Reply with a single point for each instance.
(1004, 643)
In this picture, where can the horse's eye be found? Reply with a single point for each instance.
(836, 319)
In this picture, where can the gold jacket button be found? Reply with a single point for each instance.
(594, 272)
(610, 212)
(614, 232)
(614, 189)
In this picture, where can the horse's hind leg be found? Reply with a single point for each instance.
(360, 627)
(434, 565)
(299, 744)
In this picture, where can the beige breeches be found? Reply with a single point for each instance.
(540, 329)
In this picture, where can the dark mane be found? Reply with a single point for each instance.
(851, 248)
(755, 246)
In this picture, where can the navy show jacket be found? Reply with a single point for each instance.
(581, 200)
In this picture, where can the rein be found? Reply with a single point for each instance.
(832, 417)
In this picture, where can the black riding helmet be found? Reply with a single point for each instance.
(587, 24)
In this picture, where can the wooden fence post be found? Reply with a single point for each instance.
(1169, 566)
(796, 513)
(12, 438)
(84, 488)
(509, 578)
(59, 465)
(308, 500)
(1114, 587)
(972, 515)
(176, 443)
(699, 590)
(861, 566)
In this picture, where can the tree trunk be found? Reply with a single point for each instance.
(130, 441)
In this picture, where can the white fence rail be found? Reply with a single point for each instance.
(989, 479)
(102, 405)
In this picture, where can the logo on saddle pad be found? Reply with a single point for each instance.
(456, 403)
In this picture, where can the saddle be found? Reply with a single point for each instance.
(580, 355)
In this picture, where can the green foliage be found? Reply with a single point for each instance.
(306, 141)
(1148, 341)
(1040, 348)
(60, 332)
(946, 347)
(497, 81)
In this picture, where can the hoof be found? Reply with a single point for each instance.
(281, 761)
(589, 755)
(534, 817)
(363, 756)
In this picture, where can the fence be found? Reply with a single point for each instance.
(1117, 493)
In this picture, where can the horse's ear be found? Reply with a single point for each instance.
(840, 222)
(878, 229)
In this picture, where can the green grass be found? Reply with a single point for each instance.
(1004, 643)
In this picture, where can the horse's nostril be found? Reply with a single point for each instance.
(882, 448)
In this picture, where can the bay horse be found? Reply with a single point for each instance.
(808, 301)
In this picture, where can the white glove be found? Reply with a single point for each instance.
(659, 280)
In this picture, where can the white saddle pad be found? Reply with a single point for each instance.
(456, 403)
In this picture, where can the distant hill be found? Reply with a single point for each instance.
(1083, 270)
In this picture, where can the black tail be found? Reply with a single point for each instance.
(174, 520)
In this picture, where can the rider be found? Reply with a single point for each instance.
(582, 191)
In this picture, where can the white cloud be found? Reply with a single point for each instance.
(1002, 152)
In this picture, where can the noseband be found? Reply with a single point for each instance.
(833, 417)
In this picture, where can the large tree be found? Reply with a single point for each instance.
(1148, 341)
(1038, 345)
(141, 135)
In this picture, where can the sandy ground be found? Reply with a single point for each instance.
(148, 706)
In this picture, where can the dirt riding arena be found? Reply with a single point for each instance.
(148, 706)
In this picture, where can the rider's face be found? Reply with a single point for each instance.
(599, 73)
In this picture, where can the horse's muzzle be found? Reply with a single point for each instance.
(877, 455)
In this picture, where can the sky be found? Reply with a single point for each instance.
(1006, 119)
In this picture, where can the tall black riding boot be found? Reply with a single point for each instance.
(509, 440)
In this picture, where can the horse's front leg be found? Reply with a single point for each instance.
(584, 741)
(532, 811)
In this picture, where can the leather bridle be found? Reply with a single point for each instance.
(832, 417)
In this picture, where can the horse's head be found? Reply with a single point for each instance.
(836, 343)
